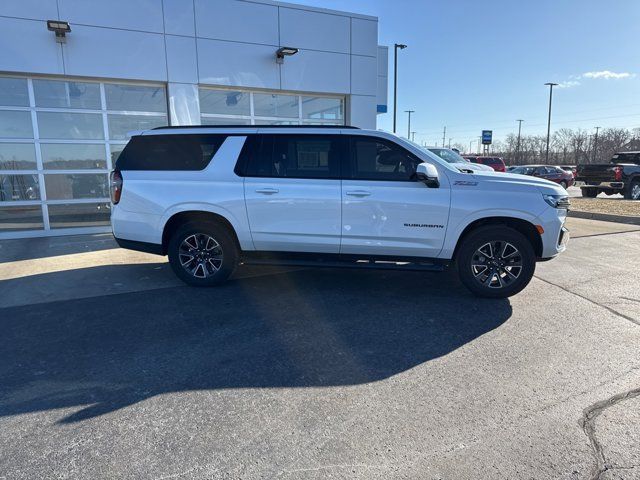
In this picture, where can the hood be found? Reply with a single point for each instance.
(474, 167)
(545, 186)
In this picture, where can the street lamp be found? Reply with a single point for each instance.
(551, 85)
(395, 81)
(518, 143)
(409, 125)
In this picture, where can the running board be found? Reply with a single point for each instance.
(348, 262)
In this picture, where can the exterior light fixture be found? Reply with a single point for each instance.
(60, 28)
(284, 52)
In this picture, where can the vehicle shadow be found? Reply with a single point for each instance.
(304, 328)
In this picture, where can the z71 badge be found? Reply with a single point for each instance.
(465, 183)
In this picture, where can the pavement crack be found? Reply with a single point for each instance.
(587, 422)
(602, 305)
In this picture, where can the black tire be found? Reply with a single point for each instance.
(590, 192)
(214, 259)
(509, 272)
(564, 184)
(632, 192)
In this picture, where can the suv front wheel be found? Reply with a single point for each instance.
(496, 262)
(203, 254)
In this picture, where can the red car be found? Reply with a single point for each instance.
(548, 172)
(494, 162)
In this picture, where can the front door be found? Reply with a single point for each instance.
(292, 193)
(385, 211)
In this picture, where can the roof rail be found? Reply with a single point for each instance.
(255, 126)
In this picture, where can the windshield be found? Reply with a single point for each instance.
(448, 156)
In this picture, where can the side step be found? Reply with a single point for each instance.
(333, 261)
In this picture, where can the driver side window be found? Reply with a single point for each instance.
(377, 159)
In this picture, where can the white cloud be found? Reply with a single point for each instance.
(568, 84)
(607, 75)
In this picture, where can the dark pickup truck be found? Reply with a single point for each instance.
(622, 175)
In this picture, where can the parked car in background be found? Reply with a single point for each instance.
(496, 163)
(450, 156)
(569, 168)
(548, 172)
(621, 175)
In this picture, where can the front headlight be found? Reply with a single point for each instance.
(557, 201)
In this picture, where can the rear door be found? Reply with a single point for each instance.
(385, 211)
(292, 192)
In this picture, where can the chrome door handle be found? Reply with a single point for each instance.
(267, 191)
(358, 193)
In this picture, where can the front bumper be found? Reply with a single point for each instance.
(556, 235)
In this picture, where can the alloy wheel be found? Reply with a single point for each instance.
(200, 255)
(635, 192)
(496, 264)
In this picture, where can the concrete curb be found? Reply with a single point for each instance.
(605, 217)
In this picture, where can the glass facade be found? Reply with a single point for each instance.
(244, 107)
(58, 142)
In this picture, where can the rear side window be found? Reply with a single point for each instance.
(297, 156)
(169, 152)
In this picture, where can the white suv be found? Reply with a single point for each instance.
(215, 197)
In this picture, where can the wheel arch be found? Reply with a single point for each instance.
(185, 216)
(525, 227)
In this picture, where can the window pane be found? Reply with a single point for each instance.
(17, 156)
(170, 152)
(276, 122)
(14, 92)
(80, 185)
(19, 187)
(14, 124)
(64, 156)
(135, 98)
(74, 215)
(115, 152)
(224, 121)
(119, 125)
(76, 126)
(21, 218)
(298, 156)
(225, 102)
(271, 105)
(58, 94)
(320, 108)
(378, 160)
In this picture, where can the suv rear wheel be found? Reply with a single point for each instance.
(633, 191)
(496, 261)
(203, 254)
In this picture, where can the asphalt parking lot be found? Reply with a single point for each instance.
(110, 368)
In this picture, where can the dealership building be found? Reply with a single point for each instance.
(77, 75)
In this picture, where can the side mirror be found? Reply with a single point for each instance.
(428, 174)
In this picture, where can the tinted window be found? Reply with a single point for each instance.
(377, 159)
(297, 156)
(169, 152)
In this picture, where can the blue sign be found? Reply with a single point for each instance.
(486, 137)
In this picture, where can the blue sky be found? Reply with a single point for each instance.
(475, 64)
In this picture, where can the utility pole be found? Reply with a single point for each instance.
(518, 143)
(413, 136)
(395, 81)
(409, 125)
(551, 85)
(479, 140)
(450, 142)
(444, 134)
(470, 142)
(595, 145)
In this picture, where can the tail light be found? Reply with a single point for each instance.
(618, 173)
(115, 185)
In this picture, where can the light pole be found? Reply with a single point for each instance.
(395, 81)
(413, 136)
(470, 142)
(595, 145)
(450, 142)
(518, 143)
(409, 125)
(551, 85)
